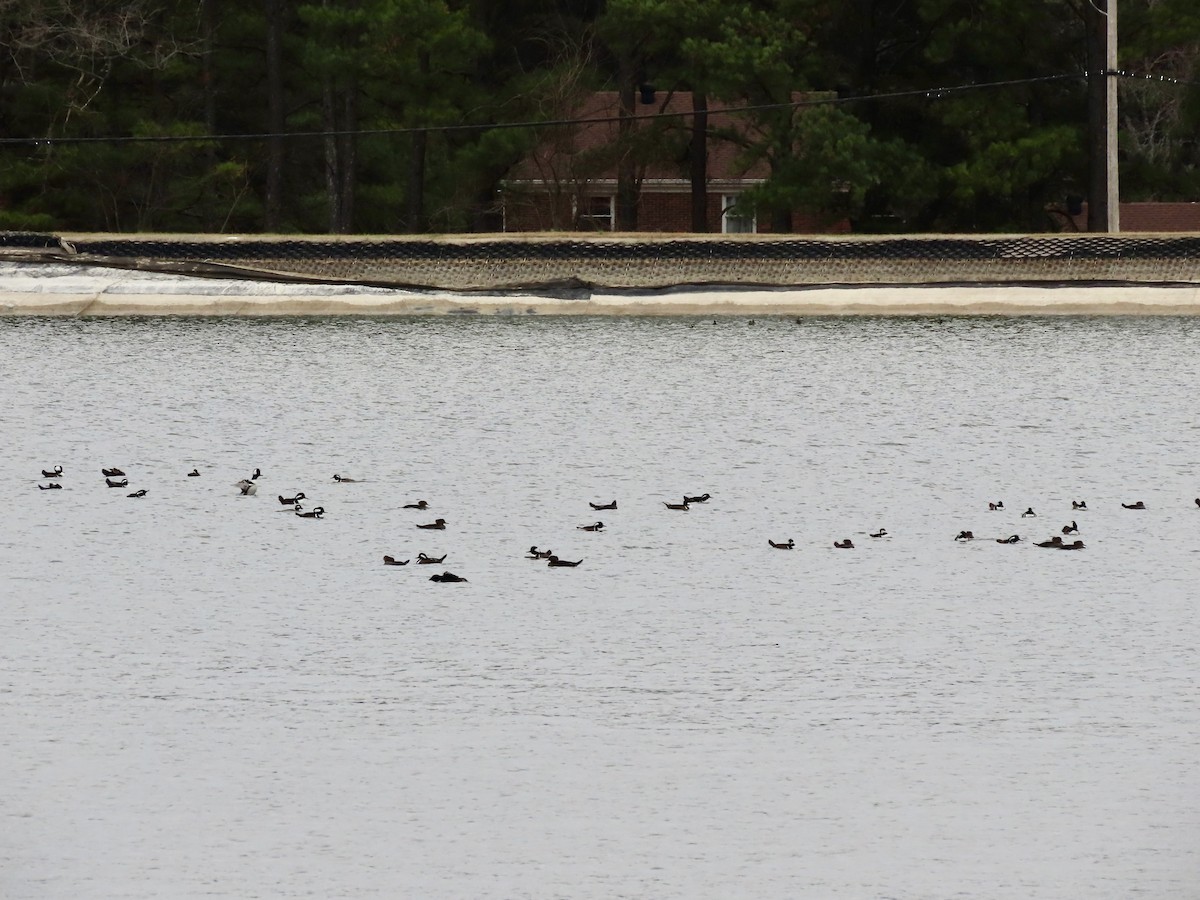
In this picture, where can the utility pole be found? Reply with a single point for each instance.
(1104, 213)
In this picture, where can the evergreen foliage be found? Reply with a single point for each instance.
(989, 160)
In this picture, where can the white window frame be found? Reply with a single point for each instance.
(728, 203)
(590, 202)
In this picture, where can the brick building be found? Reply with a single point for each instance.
(1148, 217)
(569, 182)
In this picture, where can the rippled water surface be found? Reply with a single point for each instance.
(204, 695)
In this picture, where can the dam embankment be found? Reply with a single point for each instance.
(78, 274)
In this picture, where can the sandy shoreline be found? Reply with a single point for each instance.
(286, 300)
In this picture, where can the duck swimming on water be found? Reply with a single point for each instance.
(56, 472)
(247, 487)
(122, 483)
(1138, 505)
(847, 544)
(999, 504)
(1078, 504)
(423, 560)
(340, 480)
(1070, 529)
(195, 473)
(535, 553)
(682, 506)
(112, 473)
(315, 513)
(1028, 513)
(1055, 541)
(448, 578)
(1011, 539)
(141, 493)
(437, 525)
(882, 532)
(612, 505)
(420, 504)
(392, 561)
(1078, 545)
(52, 486)
(965, 536)
(596, 526)
(291, 501)
(703, 498)
(788, 545)
(555, 561)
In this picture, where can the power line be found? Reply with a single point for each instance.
(928, 93)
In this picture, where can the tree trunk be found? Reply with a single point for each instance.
(348, 158)
(627, 193)
(414, 214)
(208, 30)
(333, 183)
(698, 162)
(273, 202)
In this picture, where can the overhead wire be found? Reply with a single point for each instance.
(929, 93)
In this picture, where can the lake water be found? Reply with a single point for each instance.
(204, 695)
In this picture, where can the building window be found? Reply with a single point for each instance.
(735, 221)
(595, 213)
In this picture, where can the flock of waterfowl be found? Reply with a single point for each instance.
(1055, 542)
(248, 487)
(116, 478)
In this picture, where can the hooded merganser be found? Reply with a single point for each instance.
(53, 473)
(141, 493)
(535, 553)
(844, 545)
(1078, 504)
(437, 525)
(340, 480)
(52, 486)
(1055, 541)
(1138, 505)
(122, 483)
(291, 501)
(392, 561)
(882, 532)
(448, 577)
(597, 526)
(965, 536)
(999, 504)
(1011, 539)
(112, 473)
(1078, 545)
(703, 498)
(682, 506)
(1070, 529)
(420, 504)
(423, 560)
(315, 513)
(786, 546)
(195, 473)
(612, 505)
(555, 561)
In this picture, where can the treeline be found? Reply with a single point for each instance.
(356, 108)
